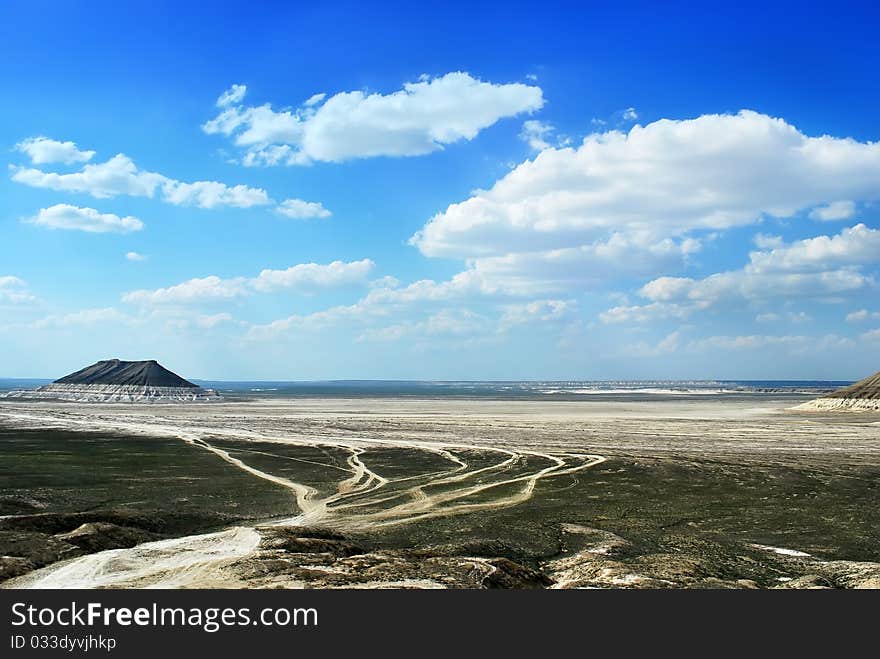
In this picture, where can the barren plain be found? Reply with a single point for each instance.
(711, 491)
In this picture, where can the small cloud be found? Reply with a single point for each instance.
(298, 209)
(232, 96)
(763, 241)
(65, 216)
(534, 133)
(861, 315)
(837, 210)
(629, 114)
(42, 150)
(135, 257)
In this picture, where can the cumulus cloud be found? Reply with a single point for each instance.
(536, 311)
(43, 150)
(645, 313)
(665, 181)
(14, 290)
(763, 241)
(422, 117)
(305, 276)
(534, 133)
(836, 210)
(198, 289)
(820, 267)
(855, 245)
(120, 176)
(298, 209)
(862, 315)
(135, 257)
(65, 216)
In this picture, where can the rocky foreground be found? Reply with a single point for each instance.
(302, 557)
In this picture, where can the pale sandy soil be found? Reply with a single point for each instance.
(492, 455)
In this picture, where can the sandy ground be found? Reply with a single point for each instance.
(480, 455)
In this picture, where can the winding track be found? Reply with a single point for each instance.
(364, 499)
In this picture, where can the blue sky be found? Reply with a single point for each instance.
(356, 190)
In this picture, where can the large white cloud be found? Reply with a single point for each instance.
(418, 119)
(304, 276)
(666, 181)
(856, 245)
(120, 176)
(42, 150)
(820, 268)
(65, 216)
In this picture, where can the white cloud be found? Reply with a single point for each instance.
(447, 322)
(793, 343)
(670, 343)
(120, 176)
(311, 275)
(763, 241)
(65, 216)
(871, 335)
(42, 150)
(818, 268)
(861, 315)
(855, 245)
(642, 313)
(298, 209)
(232, 96)
(534, 133)
(357, 312)
(629, 114)
(305, 276)
(790, 316)
(135, 257)
(13, 290)
(211, 194)
(213, 320)
(422, 117)
(201, 321)
(537, 310)
(85, 317)
(836, 210)
(659, 182)
(194, 290)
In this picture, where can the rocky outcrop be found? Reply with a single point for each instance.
(116, 381)
(116, 393)
(864, 396)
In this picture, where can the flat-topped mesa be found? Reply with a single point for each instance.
(864, 395)
(117, 381)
